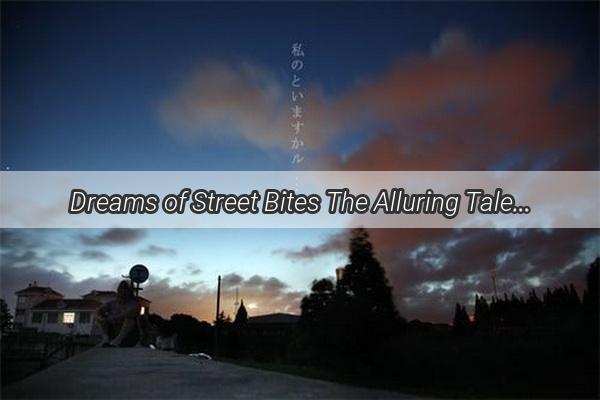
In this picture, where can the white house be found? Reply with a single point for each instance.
(65, 316)
(46, 310)
(29, 297)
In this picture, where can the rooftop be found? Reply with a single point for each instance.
(67, 304)
(277, 318)
(100, 293)
(34, 289)
(95, 293)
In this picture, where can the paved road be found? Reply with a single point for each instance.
(144, 373)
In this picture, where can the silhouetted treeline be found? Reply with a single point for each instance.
(183, 333)
(541, 345)
(558, 309)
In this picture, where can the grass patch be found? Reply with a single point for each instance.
(328, 375)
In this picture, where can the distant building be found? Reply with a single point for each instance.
(29, 297)
(46, 310)
(65, 316)
(278, 324)
(104, 296)
(264, 337)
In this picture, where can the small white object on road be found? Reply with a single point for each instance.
(203, 356)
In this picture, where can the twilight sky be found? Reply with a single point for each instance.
(388, 86)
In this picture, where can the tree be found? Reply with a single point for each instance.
(364, 280)
(461, 319)
(6, 317)
(591, 299)
(317, 302)
(241, 316)
(163, 326)
(192, 335)
(347, 323)
(222, 319)
(590, 296)
(482, 313)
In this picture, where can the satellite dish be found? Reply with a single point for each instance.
(139, 273)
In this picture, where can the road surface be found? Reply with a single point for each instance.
(143, 373)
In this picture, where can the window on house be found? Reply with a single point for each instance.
(21, 299)
(84, 318)
(36, 318)
(20, 312)
(68, 318)
(52, 318)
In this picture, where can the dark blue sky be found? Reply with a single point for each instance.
(82, 82)
(390, 86)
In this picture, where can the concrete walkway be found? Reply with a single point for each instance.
(144, 373)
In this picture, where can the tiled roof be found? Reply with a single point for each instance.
(38, 290)
(67, 304)
(100, 293)
(108, 293)
(277, 318)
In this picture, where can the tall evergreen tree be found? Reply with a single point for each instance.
(590, 296)
(364, 280)
(355, 316)
(482, 313)
(591, 300)
(461, 319)
(241, 315)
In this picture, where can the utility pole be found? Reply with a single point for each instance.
(217, 321)
(339, 274)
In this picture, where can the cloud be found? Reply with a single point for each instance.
(232, 279)
(266, 297)
(113, 237)
(219, 100)
(58, 253)
(12, 239)
(262, 293)
(23, 263)
(18, 277)
(431, 269)
(337, 243)
(193, 269)
(452, 40)
(95, 255)
(255, 281)
(461, 109)
(154, 250)
(224, 101)
(191, 298)
(451, 107)
(267, 285)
